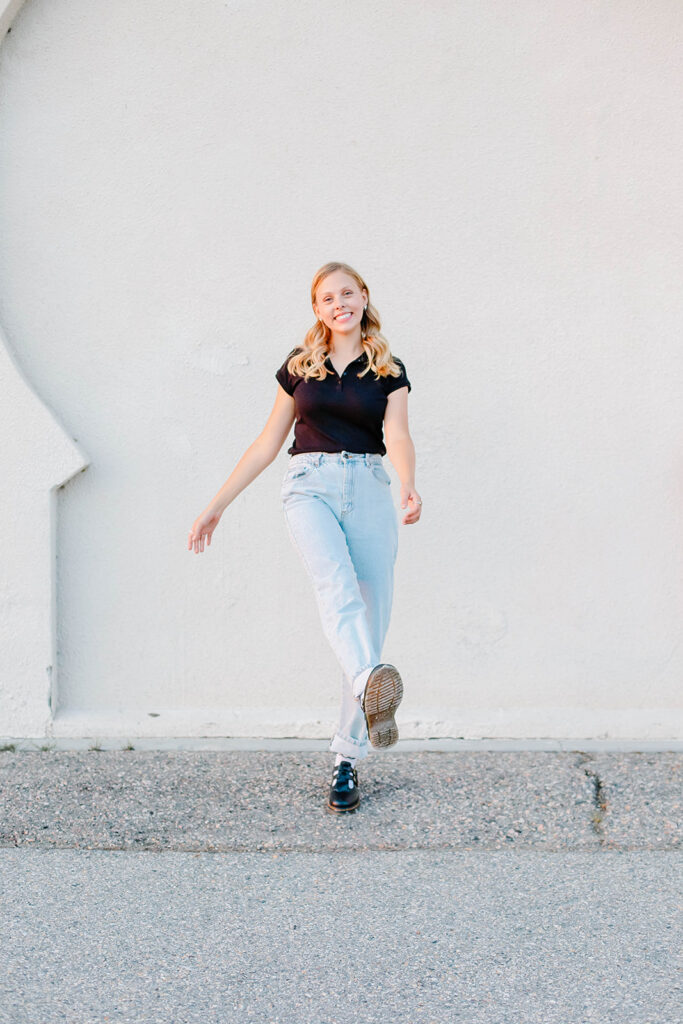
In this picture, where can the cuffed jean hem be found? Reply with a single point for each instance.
(348, 747)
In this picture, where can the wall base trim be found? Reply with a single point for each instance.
(553, 726)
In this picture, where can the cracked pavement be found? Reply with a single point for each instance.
(212, 887)
(257, 800)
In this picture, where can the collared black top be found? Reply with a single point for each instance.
(340, 413)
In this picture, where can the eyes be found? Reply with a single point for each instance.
(328, 298)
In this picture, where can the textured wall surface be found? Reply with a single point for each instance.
(506, 177)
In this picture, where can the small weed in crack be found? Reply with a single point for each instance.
(599, 799)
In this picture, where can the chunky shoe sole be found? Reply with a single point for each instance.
(342, 810)
(383, 693)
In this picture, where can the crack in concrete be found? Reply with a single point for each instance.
(600, 805)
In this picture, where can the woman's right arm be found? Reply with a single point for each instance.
(258, 455)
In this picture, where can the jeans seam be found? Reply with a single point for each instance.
(302, 556)
(315, 588)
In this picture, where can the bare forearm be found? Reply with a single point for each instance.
(402, 456)
(253, 462)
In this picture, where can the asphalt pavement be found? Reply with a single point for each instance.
(479, 886)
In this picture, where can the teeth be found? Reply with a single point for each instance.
(343, 316)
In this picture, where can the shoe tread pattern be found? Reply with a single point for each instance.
(383, 694)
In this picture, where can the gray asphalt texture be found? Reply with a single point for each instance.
(185, 886)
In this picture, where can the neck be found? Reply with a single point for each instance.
(346, 345)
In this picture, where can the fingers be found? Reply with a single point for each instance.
(415, 502)
(196, 540)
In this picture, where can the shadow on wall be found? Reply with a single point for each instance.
(37, 457)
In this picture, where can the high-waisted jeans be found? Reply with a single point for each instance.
(341, 518)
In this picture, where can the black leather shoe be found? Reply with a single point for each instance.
(344, 794)
(381, 696)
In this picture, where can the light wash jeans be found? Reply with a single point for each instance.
(341, 518)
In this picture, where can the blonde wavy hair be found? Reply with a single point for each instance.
(309, 360)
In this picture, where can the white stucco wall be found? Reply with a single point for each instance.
(507, 178)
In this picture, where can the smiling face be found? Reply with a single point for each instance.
(339, 303)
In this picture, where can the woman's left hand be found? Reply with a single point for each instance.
(412, 499)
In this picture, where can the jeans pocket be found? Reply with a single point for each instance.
(301, 469)
(380, 472)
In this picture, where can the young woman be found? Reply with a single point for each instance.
(347, 395)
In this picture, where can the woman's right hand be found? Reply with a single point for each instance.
(202, 528)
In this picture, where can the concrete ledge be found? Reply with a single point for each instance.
(415, 723)
(443, 745)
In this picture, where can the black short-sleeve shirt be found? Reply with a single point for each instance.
(340, 413)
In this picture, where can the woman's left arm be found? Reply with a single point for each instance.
(401, 451)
